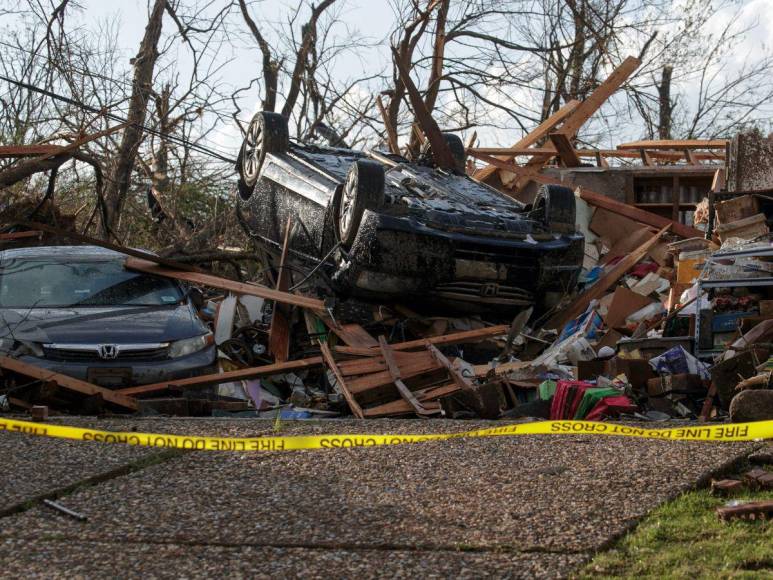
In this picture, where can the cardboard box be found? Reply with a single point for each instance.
(683, 383)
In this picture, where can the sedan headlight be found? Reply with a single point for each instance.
(190, 345)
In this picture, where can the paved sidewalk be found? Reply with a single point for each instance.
(515, 507)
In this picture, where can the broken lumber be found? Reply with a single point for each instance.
(454, 338)
(565, 150)
(586, 109)
(279, 333)
(149, 267)
(67, 382)
(533, 137)
(580, 304)
(676, 144)
(331, 363)
(441, 152)
(640, 215)
(226, 377)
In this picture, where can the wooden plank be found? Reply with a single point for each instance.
(645, 158)
(565, 150)
(675, 144)
(539, 133)
(402, 407)
(390, 130)
(279, 333)
(67, 382)
(638, 214)
(461, 381)
(580, 304)
(355, 335)
(455, 338)
(405, 393)
(227, 377)
(588, 107)
(374, 364)
(594, 153)
(331, 363)
(225, 284)
(374, 380)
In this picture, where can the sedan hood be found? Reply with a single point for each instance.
(125, 324)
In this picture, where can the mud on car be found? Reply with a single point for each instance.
(386, 227)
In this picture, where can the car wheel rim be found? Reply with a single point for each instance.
(347, 203)
(252, 150)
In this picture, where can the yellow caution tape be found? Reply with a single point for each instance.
(724, 432)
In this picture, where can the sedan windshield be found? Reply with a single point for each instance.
(45, 283)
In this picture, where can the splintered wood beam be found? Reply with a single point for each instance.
(580, 304)
(454, 338)
(588, 107)
(638, 214)
(675, 144)
(224, 284)
(539, 133)
(441, 152)
(279, 332)
(619, 153)
(394, 371)
(331, 363)
(227, 377)
(565, 150)
(645, 158)
(390, 130)
(69, 383)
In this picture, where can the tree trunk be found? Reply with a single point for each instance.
(665, 104)
(120, 171)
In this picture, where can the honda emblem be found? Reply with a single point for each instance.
(108, 351)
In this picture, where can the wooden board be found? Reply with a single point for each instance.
(637, 214)
(565, 150)
(279, 333)
(331, 363)
(539, 133)
(67, 382)
(580, 304)
(224, 284)
(675, 144)
(454, 338)
(217, 378)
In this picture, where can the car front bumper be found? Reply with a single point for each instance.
(393, 256)
(115, 374)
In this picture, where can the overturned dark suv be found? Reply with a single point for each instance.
(386, 227)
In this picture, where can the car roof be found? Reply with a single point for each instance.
(61, 252)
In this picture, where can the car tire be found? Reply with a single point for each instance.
(557, 205)
(267, 133)
(362, 190)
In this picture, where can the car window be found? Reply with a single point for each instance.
(39, 283)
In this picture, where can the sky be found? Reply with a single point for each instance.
(370, 19)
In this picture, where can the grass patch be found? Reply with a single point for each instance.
(686, 539)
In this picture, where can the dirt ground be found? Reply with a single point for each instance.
(527, 506)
